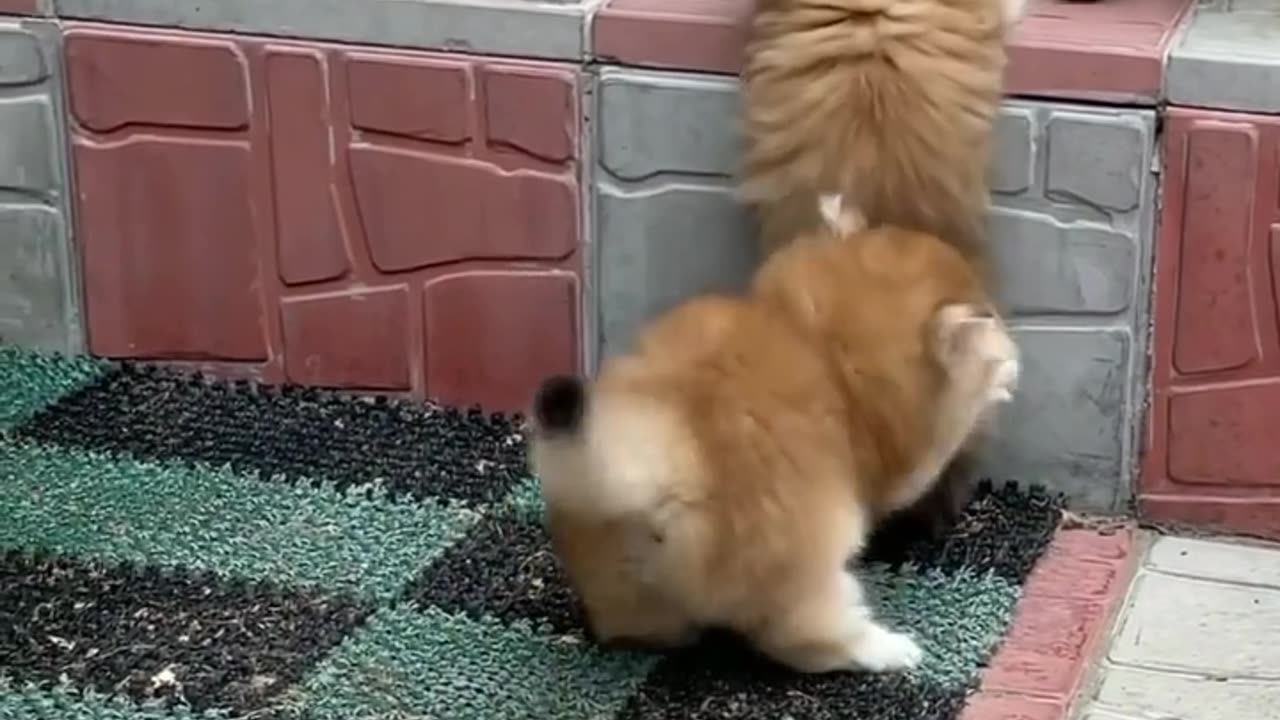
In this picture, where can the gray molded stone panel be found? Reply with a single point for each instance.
(543, 29)
(27, 154)
(1012, 168)
(39, 301)
(1074, 263)
(1096, 159)
(21, 62)
(659, 248)
(1047, 266)
(1228, 58)
(667, 226)
(33, 301)
(1073, 254)
(1067, 422)
(667, 125)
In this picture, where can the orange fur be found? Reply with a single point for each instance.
(890, 103)
(724, 472)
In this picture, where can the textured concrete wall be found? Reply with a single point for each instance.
(1072, 233)
(38, 298)
(1073, 227)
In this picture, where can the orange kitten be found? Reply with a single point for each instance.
(723, 473)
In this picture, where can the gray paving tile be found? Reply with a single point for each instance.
(1224, 561)
(1183, 624)
(1199, 637)
(1147, 694)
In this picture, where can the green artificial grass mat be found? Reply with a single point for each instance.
(172, 546)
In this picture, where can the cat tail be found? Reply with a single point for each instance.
(593, 460)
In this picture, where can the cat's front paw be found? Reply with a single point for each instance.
(978, 351)
(879, 649)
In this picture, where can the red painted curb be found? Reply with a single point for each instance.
(1057, 625)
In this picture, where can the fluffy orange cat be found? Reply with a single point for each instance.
(891, 103)
(723, 473)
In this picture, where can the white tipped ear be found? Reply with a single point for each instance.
(838, 218)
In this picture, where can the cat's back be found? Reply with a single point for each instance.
(870, 299)
(890, 102)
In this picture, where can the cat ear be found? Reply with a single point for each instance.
(839, 219)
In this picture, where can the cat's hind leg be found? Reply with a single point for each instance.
(831, 628)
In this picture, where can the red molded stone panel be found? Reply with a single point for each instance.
(1226, 436)
(421, 210)
(309, 238)
(422, 99)
(169, 261)
(1112, 49)
(1215, 329)
(1210, 455)
(492, 337)
(531, 113)
(118, 80)
(21, 7)
(353, 338)
(326, 214)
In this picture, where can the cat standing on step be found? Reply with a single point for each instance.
(890, 103)
(723, 473)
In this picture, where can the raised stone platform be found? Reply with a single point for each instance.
(547, 29)
(1229, 57)
(1112, 50)
(452, 199)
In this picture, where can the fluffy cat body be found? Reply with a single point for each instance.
(891, 103)
(725, 472)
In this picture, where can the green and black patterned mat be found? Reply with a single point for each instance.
(172, 546)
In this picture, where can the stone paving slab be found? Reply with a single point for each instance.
(1198, 638)
(1228, 57)
(1112, 50)
(549, 29)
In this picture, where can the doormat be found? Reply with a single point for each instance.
(176, 546)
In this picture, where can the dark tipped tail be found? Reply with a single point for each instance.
(560, 404)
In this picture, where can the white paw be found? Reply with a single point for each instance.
(1004, 380)
(976, 344)
(882, 650)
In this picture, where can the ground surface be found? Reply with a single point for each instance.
(1198, 638)
(173, 545)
